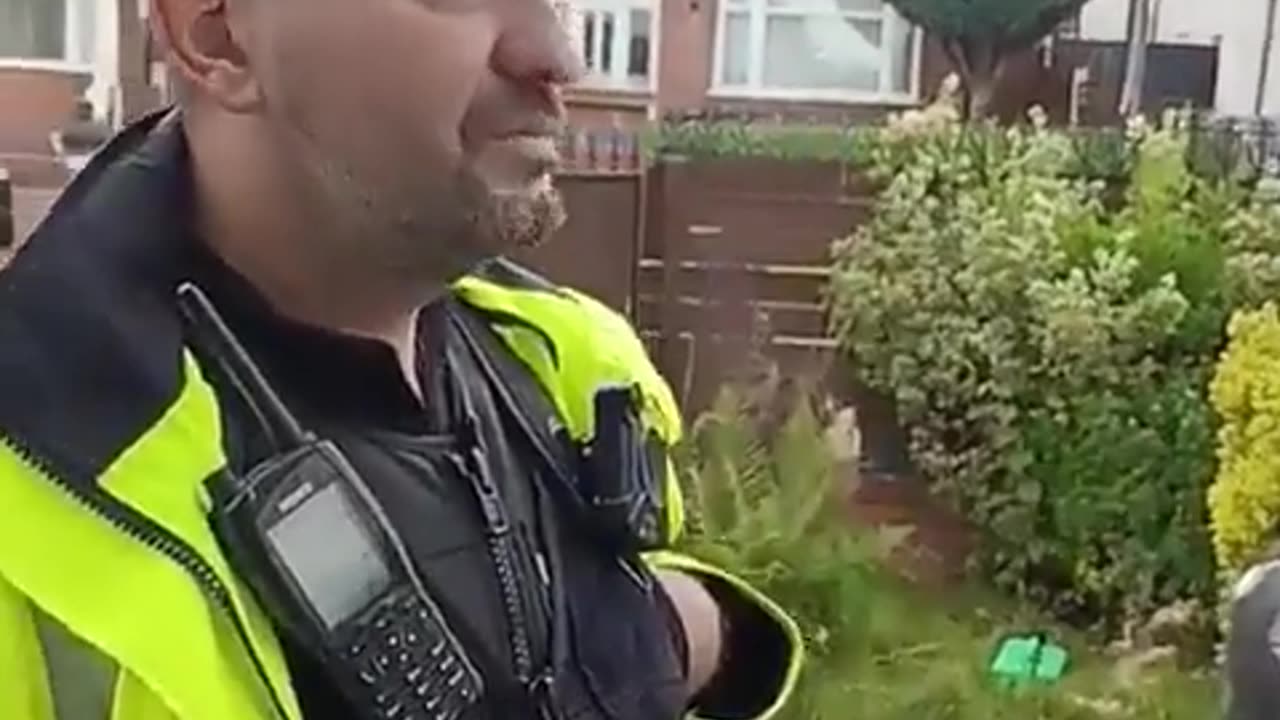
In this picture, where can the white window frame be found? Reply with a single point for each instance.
(76, 58)
(617, 80)
(758, 12)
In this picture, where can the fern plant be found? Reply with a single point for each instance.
(764, 502)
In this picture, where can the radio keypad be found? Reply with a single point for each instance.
(410, 667)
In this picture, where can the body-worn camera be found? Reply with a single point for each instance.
(305, 533)
(615, 481)
(623, 471)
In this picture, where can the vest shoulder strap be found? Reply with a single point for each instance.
(582, 345)
(524, 399)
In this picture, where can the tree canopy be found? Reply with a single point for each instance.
(977, 35)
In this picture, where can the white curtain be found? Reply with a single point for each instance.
(35, 29)
(823, 52)
(856, 45)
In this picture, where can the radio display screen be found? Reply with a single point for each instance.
(331, 553)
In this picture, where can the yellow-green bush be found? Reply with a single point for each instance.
(1244, 501)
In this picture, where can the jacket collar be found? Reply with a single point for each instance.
(90, 341)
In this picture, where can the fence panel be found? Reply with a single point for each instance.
(737, 262)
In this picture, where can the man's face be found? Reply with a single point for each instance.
(424, 129)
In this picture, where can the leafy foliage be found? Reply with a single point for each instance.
(718, 139)
(1245, 498)
(978, 35)
(766, 502)
(1048, 348)
(768, 509)
(1009, 23)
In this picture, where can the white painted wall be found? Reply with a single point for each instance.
(1237, 26)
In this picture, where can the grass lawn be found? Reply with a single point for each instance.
(924, 658)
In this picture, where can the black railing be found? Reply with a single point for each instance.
(1234, 147)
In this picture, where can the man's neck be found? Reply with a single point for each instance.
(262, 234)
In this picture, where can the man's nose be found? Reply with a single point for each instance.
(535, 46)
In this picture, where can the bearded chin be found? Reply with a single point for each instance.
(527, 220)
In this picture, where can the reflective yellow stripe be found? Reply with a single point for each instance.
(81, 679)
(124, 597)
(187, 442)
(595, 346)
(675, 561)
(23, 691)
(134, 701)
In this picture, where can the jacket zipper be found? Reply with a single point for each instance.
(539, 591)
(542, 686)
(146, 531)
(499, 533)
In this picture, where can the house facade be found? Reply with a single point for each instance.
(1248, 73)
(807, 58)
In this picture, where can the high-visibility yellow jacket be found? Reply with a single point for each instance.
(115, 599)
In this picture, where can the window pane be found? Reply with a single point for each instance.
(589, 40)
(33, 29)
(606, 42)
(735, 65)
(902, 54)
(86, 24)
(638, 48)
(821, 52)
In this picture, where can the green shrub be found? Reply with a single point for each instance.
(720, 139)
(1048, 352)
(766, 502)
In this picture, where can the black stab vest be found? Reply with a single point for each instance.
(596, 630)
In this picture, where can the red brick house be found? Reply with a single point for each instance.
(809, 57)
(824, 60)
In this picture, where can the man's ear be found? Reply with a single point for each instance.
(205, 48)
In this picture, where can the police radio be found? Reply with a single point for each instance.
(305, 533)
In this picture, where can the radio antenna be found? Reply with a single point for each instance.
(214, 339)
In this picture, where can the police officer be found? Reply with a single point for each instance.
(340, 177)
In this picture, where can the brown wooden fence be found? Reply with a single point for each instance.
(697, 252)
(735, 259)
(702, 254)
